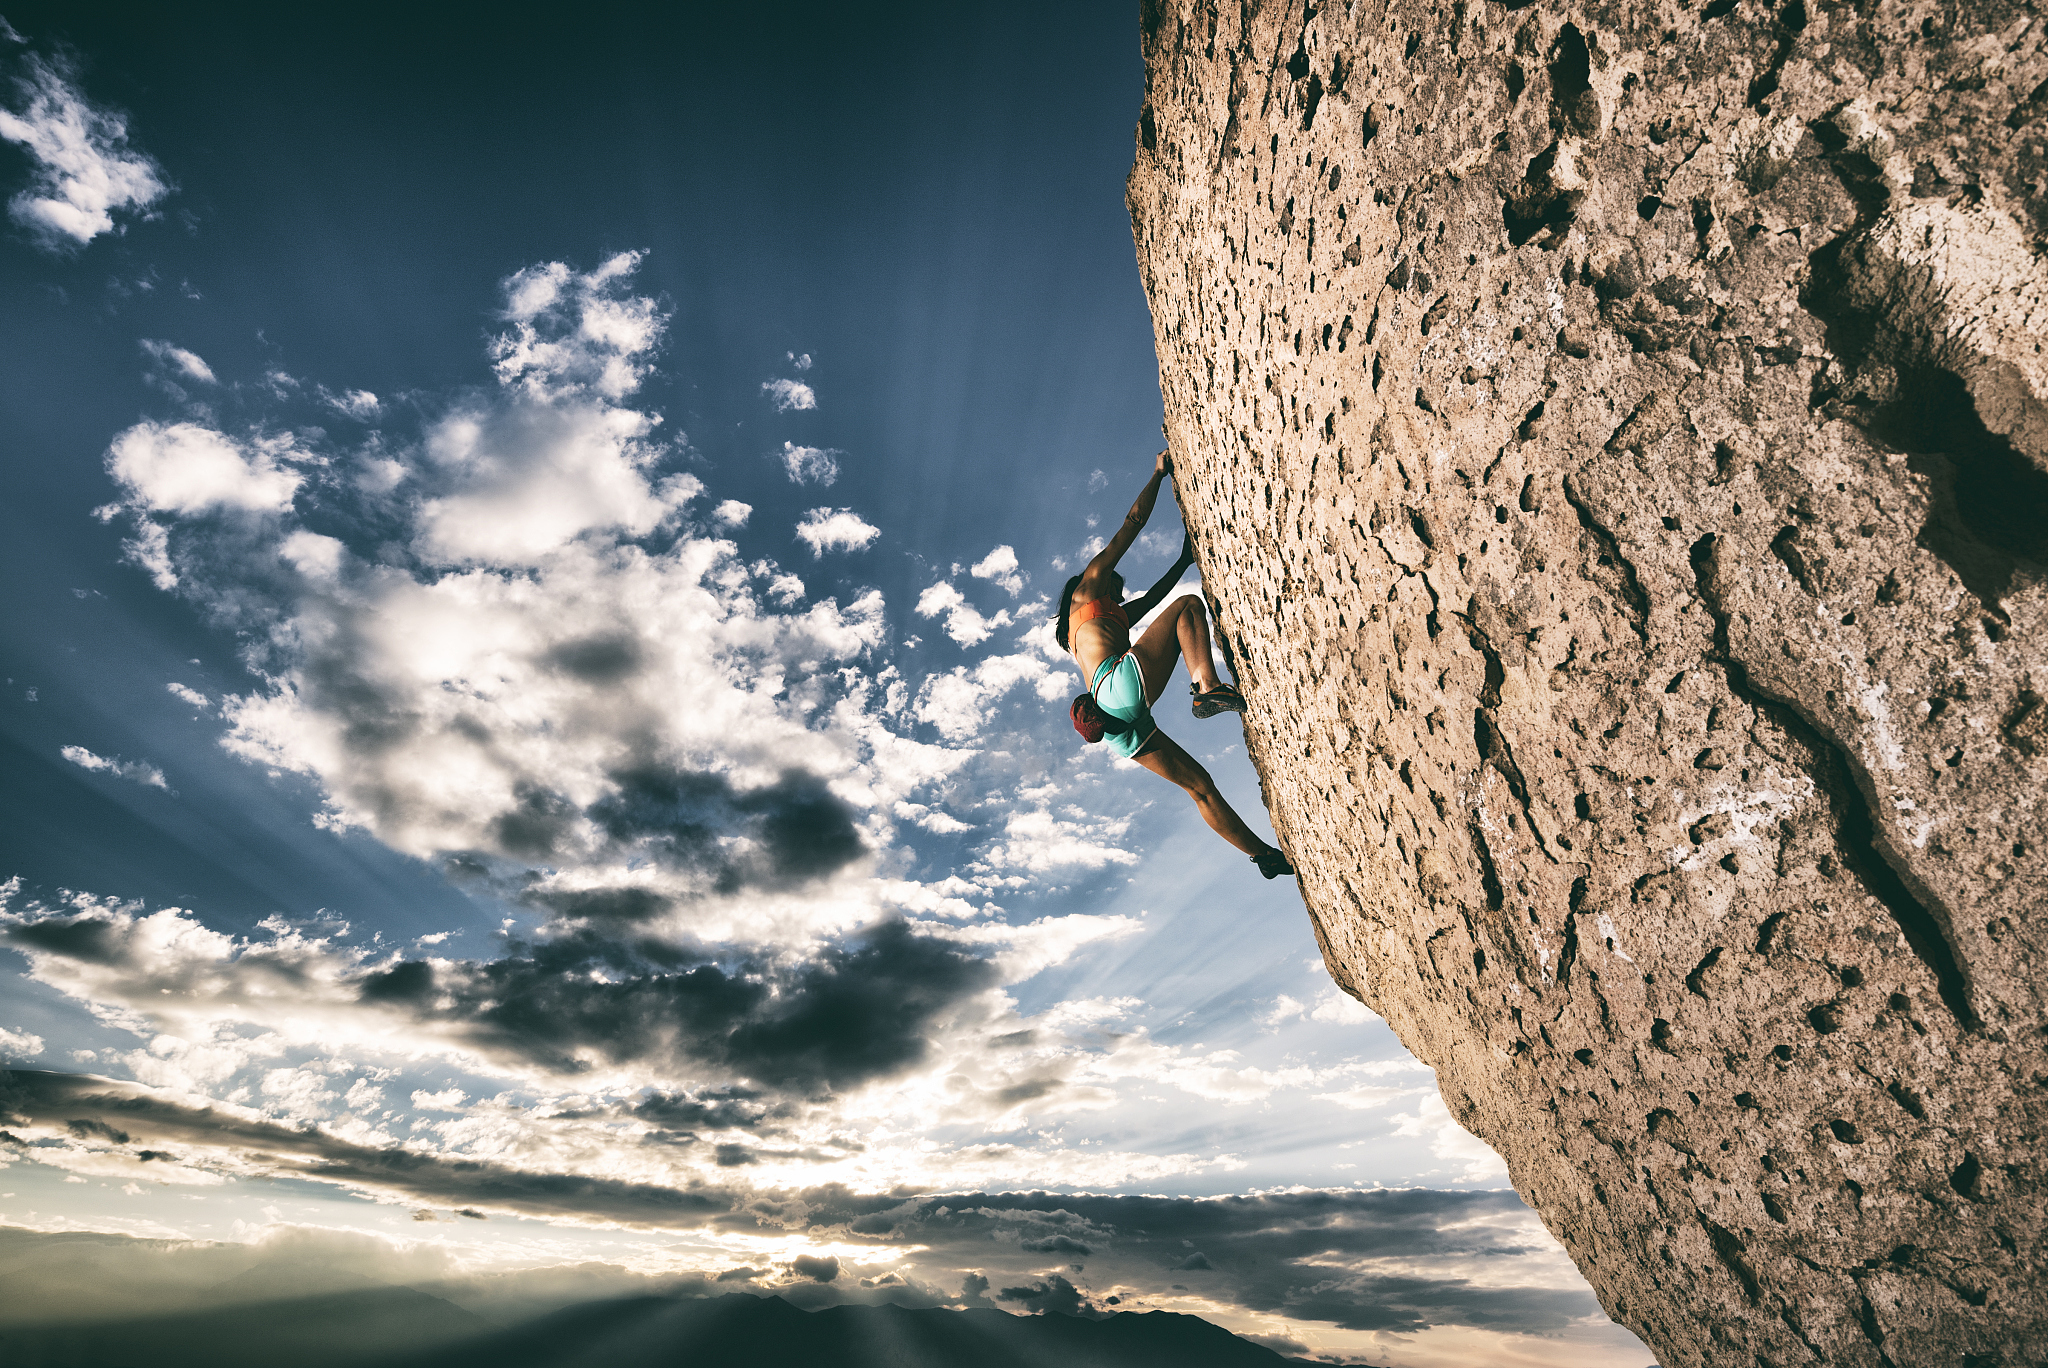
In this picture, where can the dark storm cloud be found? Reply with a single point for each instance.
(798, 828)
(1303, 1255)
(412, 981)
(1414, 1222)
(715, 1109)
(603, 659)
(1052, 1295)
(853, 1013)
(90, 939)
(680, 1115)
(89, 1129)
(604, 906)
(817, 1270)
(538, 823)
(849, 1014)
(76, 1100)
(778, 837)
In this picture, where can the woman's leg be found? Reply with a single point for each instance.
(1181, 631)
(1164, 757)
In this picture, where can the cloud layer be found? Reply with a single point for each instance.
(515, 642)
(1381, 1262)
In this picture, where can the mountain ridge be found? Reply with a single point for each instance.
(400, 1327)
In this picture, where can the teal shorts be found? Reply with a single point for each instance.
(1119, 690)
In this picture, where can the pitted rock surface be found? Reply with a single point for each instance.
(1614, 438)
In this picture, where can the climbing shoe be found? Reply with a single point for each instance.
(1222, 698)
(1272, 862)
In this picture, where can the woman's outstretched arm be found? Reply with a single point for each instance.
(1134, 523)
(1152, 597)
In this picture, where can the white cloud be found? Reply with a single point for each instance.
(185, 363)
(1283, 1008)
(1039, 636)
(524, 480)
(139, 771)
(930, 819)
(835, 529)
(810, 465)
(789, 394)
(1338, 1006)
(19, 1044)
(577, 334)
(1097, 482)
(941, 597)
(1216, 1076)
(448, 1099)
(360, 405)
(1368, 1096)
(1035, 946)
(1449, 1141)
(958, 702)
(732, 513)
(1041, 841)
(149, 548)
(785, 589)
(1000, 565)
(553, 456)
(298, 1092)
(314, 556)
(188, 695)
(964, 623)
(183, 468)
(85, 170)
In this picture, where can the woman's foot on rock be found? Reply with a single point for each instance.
(1272, 862)
(1222, 698)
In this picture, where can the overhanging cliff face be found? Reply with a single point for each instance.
(1615, 442)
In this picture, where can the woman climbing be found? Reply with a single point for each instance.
(1125, 678)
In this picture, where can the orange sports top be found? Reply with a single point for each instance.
(1103, 608)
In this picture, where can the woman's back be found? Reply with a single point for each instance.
(1099, 630)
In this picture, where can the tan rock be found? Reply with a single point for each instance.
(1614, 441)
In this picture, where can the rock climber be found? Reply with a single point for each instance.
(1126, 677)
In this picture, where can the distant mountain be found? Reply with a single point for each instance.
(767, 1332)
(374, 1324)
(398, 1327)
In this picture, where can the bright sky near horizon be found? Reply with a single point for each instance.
(530, 556)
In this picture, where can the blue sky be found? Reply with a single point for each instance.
(528, 549)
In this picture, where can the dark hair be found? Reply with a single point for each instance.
(1066, 605)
